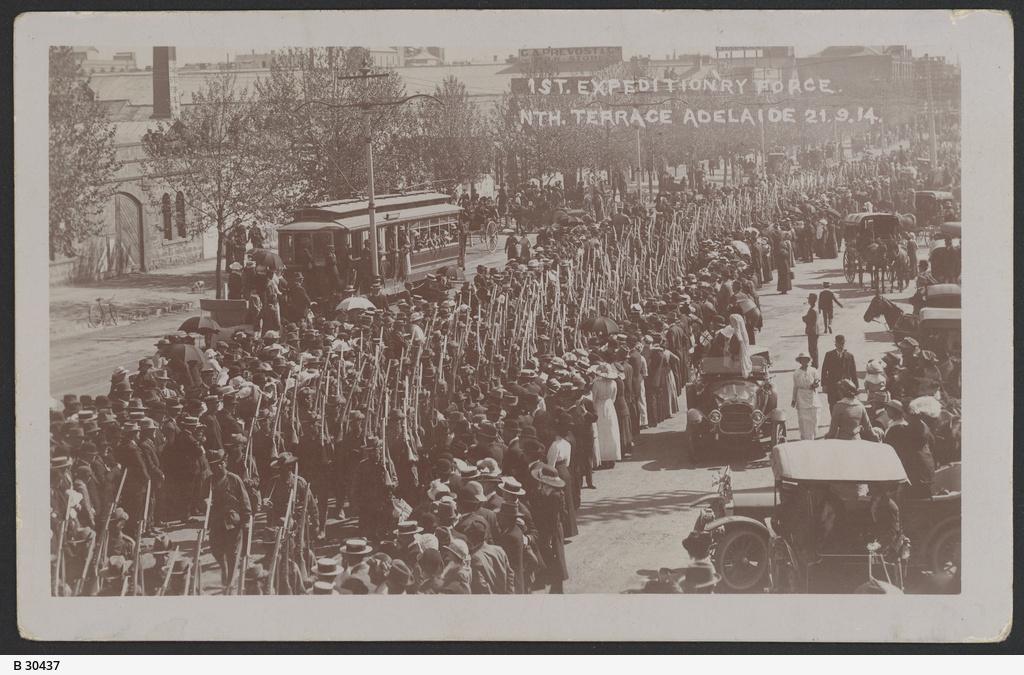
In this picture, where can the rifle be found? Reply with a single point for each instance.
(245, 558)
(138, 583)
(94, 571)
(197, 585)
(281, 533)
(171, 559)
(58, 568)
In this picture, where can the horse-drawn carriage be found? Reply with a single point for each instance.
(934, 207)
(872, 245)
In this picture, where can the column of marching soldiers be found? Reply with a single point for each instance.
(447, 436)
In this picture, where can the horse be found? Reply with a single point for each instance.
(901, 269)
(900, 323)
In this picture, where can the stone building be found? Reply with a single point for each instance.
(141, 232)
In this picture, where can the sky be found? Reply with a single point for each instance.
(144, 55)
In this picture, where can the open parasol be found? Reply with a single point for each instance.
(199, 324)
(264, 257)
(355, 302)
(601, 324)
(187, 353)
(740, 246)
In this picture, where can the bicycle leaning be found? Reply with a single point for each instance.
(102, 313)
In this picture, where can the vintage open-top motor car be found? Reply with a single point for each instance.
(730, 410)
(829, 545)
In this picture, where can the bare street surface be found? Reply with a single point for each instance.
(635, 520)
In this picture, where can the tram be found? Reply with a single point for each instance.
(415, 231)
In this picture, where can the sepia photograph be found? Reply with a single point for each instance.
(644, 313)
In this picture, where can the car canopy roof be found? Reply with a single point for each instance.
(833, 461)
(940, 317)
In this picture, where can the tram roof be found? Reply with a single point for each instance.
(362, 221)
(382, 203)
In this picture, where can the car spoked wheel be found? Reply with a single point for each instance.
(742, 559)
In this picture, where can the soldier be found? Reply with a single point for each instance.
(130, 457)
(229, 514)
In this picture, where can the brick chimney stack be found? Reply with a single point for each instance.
(165, 84)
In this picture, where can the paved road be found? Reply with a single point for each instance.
(637, 517)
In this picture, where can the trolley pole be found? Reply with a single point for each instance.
(370, 206)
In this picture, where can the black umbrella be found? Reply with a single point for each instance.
(187, 353)
(199, 324)
(264, 257)
(601, 324)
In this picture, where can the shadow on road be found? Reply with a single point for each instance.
(636, 506)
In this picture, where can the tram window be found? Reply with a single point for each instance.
(300, 242)
(321, 240)
(284, 246)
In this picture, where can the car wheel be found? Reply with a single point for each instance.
(945, 548)
(741, 557)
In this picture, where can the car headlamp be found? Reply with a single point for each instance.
(715, 416)
(757, 416)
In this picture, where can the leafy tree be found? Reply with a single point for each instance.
(455, 146)
(83, 156)
(312, 101)
(219, 156)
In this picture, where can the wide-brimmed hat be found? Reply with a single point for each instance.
(60, 462)
(472, 491)
(895, 406)
(802, 355)
(607, 371)
(487, 430)
(408, 528)
(847, 386)
(284, 460)
(511, 486)
(488, 467)
(546, 474)
(356, 546)
(327, 567)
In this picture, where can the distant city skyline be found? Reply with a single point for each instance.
(187, 54)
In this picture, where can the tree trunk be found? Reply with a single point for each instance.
(220, 255)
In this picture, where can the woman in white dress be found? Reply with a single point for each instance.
(604, 389)
(741, 356)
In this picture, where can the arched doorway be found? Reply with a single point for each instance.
(131, 247)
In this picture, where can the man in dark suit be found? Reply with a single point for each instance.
(837, 366)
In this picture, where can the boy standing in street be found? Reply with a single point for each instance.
(825, 301)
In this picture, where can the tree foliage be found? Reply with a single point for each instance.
(455, 143)
(312, 101)
(219, 156)
(82, 156)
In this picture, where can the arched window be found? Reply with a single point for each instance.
(165, 211)
(179, 213)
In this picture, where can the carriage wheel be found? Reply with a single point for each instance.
(849, 266)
